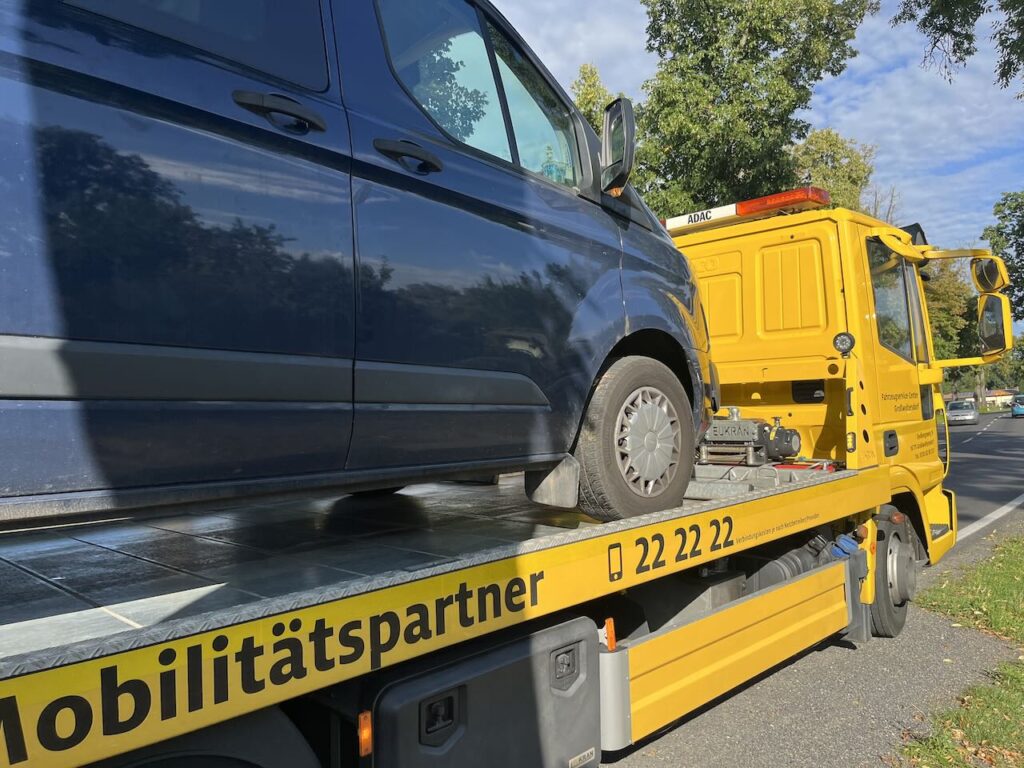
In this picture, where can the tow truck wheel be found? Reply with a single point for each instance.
(635, 448)
(896, 570)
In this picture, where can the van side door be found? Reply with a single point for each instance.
(488, 287)
(176, 288)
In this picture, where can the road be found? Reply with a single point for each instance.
(836, 707)
(988, 466)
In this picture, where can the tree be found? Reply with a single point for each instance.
(949, 302)
(1008, 373)
(591, 96)
(723, 110)
(951, 29)
(883, 204)
(1007, 240)
(842, 166)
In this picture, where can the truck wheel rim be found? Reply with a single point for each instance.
(648, 441)
(900, 570)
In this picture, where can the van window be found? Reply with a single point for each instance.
(285, 40)
(541, 121)
(439, 53)
(892, 307)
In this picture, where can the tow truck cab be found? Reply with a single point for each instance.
(820, 317)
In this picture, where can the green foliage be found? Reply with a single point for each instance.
(989, 595)
(1008, 373)
(721, 113)
(951, 29)
(1007, 240)
(949, 301)
(591, 96)
(842, 166)
(988, 727)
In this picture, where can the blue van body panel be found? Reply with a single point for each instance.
(163, 219)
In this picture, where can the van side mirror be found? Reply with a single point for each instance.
(995, 327)
(989, 274)
(618, 146)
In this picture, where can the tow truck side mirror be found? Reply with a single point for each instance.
(995, 332)
(995, 326)
(990, 275)
(618, 146)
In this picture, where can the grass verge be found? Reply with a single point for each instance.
(988, 727)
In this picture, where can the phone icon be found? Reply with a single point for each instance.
(615, 562)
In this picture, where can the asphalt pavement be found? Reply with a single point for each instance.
(839, 707)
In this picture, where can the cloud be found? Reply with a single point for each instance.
(565, 34)
(951, 149)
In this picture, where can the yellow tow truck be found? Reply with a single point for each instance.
(820, 315)
(319, 632)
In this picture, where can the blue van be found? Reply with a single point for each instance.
(255, 246)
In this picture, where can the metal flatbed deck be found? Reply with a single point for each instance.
(80, 591)
(382, 581)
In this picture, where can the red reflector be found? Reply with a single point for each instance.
(801, 199)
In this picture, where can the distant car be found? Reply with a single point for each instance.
(962, 412)
(1017, 406)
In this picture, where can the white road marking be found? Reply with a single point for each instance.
(990, 518)
(997, 418)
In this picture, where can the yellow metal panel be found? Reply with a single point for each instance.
(792, 289)
(780, 290)
(870, 547)
(80, 713)
(677, 672)
(723, 300)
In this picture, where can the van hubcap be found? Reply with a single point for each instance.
(648, 441)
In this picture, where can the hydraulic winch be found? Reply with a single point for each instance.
(750, 442)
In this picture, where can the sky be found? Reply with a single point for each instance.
(950, 149)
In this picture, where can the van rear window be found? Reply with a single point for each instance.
(283, 39)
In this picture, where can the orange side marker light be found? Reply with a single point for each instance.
(365, 728)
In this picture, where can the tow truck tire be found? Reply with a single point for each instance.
(263, 739)
(636, 444)
(896, 570)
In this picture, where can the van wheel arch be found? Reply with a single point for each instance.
(657, 345)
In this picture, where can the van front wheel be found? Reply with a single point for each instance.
(636, 445)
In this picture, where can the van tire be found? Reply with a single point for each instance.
(635, 392)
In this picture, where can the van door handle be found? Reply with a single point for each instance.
(401, 150)
(270, 104)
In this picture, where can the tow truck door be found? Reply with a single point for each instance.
(904, 409)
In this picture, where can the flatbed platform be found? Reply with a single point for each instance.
(79, 591)
(356, 584)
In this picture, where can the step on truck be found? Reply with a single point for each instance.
(458, 627)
